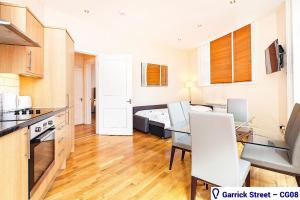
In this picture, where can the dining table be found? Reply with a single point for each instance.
(245, 134)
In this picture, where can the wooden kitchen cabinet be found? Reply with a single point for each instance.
(14, 152)
(35, 30)
(22, 60)
(57, 83)
(57, 80)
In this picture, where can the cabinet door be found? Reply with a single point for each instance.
(35, 55)
(70, 93)
(13, 58)
(15, 15)
(24, 60)
(70, 57)
(14, 165)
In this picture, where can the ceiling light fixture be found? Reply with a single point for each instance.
(232, 1)
(86, 11)
(199, 25)
(179, 39)
(122, 12)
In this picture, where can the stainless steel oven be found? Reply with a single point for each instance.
(42, 151)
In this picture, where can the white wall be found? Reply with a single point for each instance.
(268, 95)
(89, 38)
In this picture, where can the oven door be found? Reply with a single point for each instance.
(41, 156)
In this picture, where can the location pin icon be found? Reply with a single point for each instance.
(215, 192)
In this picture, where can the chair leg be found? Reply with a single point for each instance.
(172, 157)
(182, 154)
(247, 181)
(298, 180)
(193, 187)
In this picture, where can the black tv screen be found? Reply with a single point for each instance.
(272, 58)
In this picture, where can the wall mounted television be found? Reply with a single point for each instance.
(274, 57)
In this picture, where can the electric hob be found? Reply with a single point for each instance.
(24, 114)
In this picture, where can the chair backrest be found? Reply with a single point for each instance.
(176, 114)
(239, 109)
(214, 147)
(186, 108)
(292, 136)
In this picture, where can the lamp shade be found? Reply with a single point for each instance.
(190, 84)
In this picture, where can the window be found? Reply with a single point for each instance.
(226, 59)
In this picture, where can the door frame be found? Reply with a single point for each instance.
(97, 55)
(82, 107)
(87, 90)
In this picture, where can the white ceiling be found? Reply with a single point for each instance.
(165, 21)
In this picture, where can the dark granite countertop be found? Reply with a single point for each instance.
(7, 127)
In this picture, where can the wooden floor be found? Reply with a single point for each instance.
(83, 130)
(123, 167)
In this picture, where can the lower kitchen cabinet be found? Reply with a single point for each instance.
(60, 140)
(14, 152)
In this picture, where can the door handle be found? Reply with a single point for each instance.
(129, 101)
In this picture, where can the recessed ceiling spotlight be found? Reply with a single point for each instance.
(86, 11)
(232, 1)
(122, 12)
(199, 25)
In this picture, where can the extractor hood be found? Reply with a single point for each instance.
(10, 34)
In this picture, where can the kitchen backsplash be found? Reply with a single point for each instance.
(9, 83)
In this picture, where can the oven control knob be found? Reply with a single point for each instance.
(38, 129)
(50, 123)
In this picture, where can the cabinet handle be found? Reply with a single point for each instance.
(28, 145)
(61, 139)
(68, 103)
(30, 59)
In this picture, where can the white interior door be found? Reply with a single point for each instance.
(115, 91)
(78, 93)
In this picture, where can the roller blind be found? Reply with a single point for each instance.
(221, 60)
(242, 54)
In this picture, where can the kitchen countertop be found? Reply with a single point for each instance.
(7, 127)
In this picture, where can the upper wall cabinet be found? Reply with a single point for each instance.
(28, 61)
(226, 59)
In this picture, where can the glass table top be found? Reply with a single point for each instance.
(244, 134)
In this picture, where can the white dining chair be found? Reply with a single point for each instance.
(180, 141)
(239, 109)
(285, 161)
(186, 108)
(215, 154)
